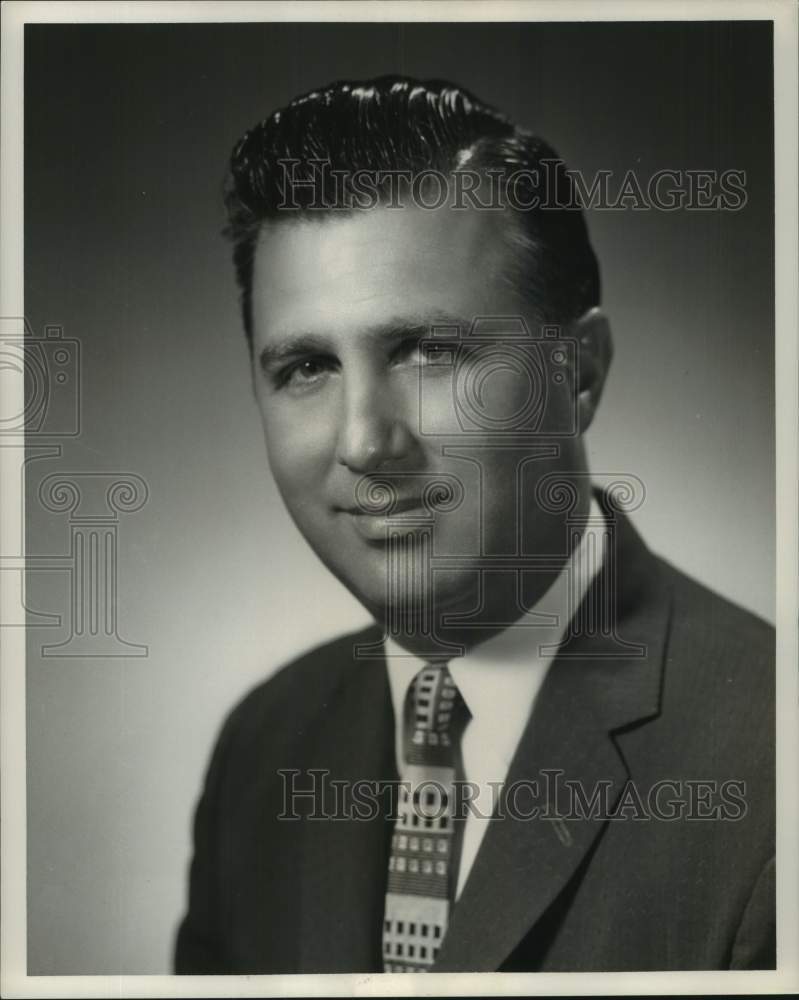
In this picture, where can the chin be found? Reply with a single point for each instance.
(412, 605)
(419, 605)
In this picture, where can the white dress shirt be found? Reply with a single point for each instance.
(499, 680)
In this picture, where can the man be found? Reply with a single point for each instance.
(552, 751)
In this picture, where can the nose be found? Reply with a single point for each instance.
(373, 430)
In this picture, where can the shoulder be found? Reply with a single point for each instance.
(286, 703)
(719, 679)
(714, 625)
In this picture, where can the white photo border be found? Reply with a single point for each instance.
(14, 981)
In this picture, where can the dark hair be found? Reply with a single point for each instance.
(397, 123)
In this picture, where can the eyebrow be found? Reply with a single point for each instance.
(289, 348)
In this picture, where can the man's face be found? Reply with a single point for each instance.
(350, 399)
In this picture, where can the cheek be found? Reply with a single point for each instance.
(299, 450)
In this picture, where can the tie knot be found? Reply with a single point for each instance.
(436, 712)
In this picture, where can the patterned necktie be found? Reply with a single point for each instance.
(425, 846)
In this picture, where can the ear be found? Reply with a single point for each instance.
(595, 348)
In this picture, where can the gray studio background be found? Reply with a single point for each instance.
(127, 134)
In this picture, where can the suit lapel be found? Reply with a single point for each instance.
(590, 692)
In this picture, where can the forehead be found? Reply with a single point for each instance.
(352, 270)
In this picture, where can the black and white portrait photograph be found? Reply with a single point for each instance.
(399, 533)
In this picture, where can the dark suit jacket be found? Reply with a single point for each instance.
(579, 894)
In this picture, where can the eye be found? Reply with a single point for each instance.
(442, 352)
(421, 352)
(305, 373)
(431, 358)
(407, 352)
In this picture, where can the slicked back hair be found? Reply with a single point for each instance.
(393, 124)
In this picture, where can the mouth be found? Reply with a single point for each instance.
(399, 506)
(408, 513)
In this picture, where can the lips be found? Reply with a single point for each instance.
(399, 506)
(375, 526)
